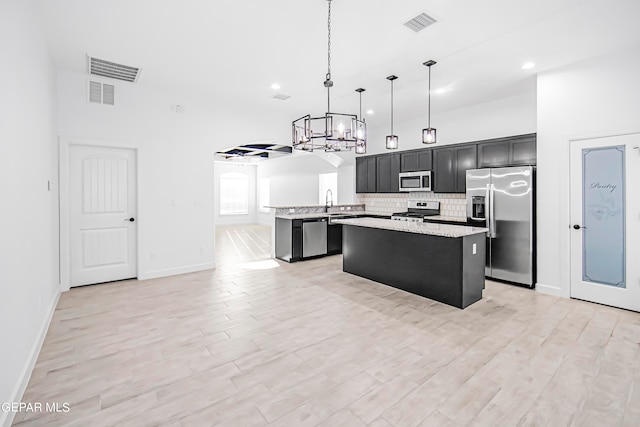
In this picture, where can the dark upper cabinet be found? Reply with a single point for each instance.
(450, 167)
(523, 150)
(387, 170)
(512, 151)
(443, 175)
(493, 154)
(366, 174)
(419, 160)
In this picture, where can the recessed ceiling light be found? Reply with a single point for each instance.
(528, 65)
(369, 111)
(275, 86)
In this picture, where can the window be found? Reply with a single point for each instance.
(328, 181)
(234, 194)
(263, 194)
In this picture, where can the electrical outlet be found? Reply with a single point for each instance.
(292, 211)
(152, 255)
(348, 208)
(474, 249)
(341, 208)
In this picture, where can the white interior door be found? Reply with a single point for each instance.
(102, 214)
(605, 220)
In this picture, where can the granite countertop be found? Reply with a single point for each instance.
(327, 215)
(447, 218)
(429, 228)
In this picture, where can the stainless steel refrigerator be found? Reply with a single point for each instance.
(502, 199)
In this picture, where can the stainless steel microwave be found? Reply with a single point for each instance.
(415, 181)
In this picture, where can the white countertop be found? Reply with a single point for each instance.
(327, 215)
(447, 218)
(429, 228)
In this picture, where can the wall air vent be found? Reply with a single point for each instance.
(101, 93)
(281, 96)
(420, 22)
(112, 70)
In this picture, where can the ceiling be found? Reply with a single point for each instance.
(236, 49)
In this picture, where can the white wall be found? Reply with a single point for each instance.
(514, 115)
(294, 179)
(29, 213)
(247, 169)
(593, 98)
(175, 157)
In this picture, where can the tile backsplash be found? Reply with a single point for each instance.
(450, 204)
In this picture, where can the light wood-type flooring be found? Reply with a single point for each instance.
(258, 342)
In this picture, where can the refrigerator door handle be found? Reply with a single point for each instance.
(492, 211)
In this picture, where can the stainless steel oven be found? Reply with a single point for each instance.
(415, 181)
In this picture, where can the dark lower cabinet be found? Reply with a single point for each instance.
(334, 239)
(366, 174)
(387, 171)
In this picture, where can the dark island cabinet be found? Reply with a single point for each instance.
(512, 151)
(417, 160)
(366, 174)
(450, 166)
(387, 171)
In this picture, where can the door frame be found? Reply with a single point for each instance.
(565, 255)
(64, 145)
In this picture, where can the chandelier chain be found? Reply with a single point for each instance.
(329, 44)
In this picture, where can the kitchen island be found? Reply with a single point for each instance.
(437, 261)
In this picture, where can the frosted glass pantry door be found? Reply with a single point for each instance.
(605, 215)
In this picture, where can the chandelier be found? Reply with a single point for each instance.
(333, 131)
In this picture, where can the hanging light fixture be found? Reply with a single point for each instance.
(333, 131)
(392, 140)
(361, 143)
(429, 134)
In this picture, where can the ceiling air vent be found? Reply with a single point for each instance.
(101, 93)
(420, 22)
(281, 96)
(102, 68)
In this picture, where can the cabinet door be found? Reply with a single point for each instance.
(413, 161)
(424, 160)
(361, 174)
(409, 161)
(443, 172)
(494, 154)
(371, 175)
(366, 174)
(387, 170)
(465, 159)
(523, 150)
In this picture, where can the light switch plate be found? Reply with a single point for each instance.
(474, 248)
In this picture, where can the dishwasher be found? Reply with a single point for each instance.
(314, 237)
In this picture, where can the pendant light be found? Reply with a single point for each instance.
(392, 140)
(333, 131)
(361, 143)
(429, 134)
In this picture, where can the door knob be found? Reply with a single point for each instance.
(577, 227)
(130, 219)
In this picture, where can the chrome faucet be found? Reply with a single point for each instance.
(328, 200)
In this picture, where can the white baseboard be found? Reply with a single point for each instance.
(6, 418)
(550, 290)
(177, 270)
